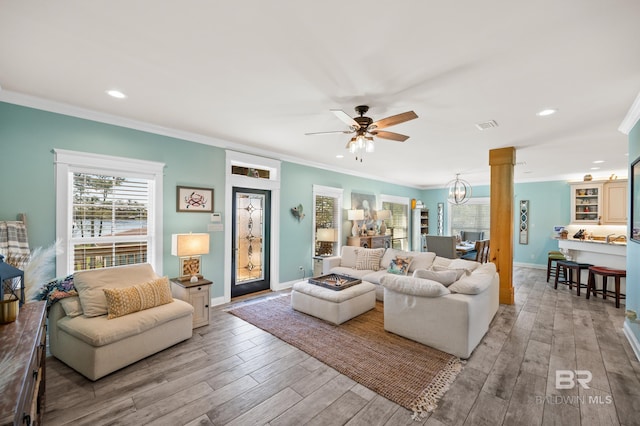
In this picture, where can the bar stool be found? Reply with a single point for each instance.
(606, 273)
(573, 267)
(554, 256)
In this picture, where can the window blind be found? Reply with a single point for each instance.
(110, 217)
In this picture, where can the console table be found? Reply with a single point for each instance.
(374, 241)
(22, 366)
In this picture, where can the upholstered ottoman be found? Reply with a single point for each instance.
(331, 305)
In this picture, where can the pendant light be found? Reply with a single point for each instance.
(459, 190)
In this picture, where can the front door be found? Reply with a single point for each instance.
(251, 242)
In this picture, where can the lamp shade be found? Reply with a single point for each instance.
(189, 244)
(326, 234)
(384, 214)
(355, 214)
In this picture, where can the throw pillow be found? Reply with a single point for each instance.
(90, 284)
(422, 260)
(123, 301)
(445, 278)
(71, 306)
(349, 256)
(413, 286)
(399, 265)
(368, 259)
(459, 272)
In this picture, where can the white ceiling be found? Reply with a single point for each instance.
(263, 73)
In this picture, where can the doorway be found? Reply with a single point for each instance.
(251, 241)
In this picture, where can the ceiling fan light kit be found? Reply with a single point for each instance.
(365, 129)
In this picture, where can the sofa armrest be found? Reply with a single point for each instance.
(333, 261)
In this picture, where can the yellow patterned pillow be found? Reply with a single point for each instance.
(126, 300)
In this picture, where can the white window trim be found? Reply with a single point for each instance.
(68, 162)
(337, 193)
(472, 200)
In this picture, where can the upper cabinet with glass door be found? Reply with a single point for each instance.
(586, 202)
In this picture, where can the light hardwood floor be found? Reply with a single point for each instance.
(232, 373)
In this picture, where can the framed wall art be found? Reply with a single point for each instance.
(634, 230)
(191, 199)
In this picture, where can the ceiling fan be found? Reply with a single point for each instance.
(365, 129)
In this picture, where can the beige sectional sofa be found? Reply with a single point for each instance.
(444, 303)
(82, 336)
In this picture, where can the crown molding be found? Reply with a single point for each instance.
(632, 117)
(116, 120)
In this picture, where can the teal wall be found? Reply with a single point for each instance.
(297, 188)
(633, 248)
(549, 206)
(28, 136)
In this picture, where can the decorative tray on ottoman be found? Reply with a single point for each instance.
(335, 281)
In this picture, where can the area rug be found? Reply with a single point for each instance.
(406, 372)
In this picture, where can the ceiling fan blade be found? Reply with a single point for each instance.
(393, 120)
(327, 133)
(390, 135)
(345, 118)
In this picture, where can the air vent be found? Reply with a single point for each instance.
(486, 125)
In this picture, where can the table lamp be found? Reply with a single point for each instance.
(355, 215)
(382, 216)
(188, 248)
(326, 237)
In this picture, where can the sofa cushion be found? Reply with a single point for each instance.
(414, 286)
(369, 259)
(399, 265)
(421, 260)
(476, 282)
(446, 278)
(100, 331)
(349, 256)
(71, 306)
(123, 301)
(458, 272)
(323, 293)
(464, 264)
(389, 255)
(90, 284)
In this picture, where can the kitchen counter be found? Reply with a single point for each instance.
(597, 253)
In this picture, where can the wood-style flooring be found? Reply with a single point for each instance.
(232, 373)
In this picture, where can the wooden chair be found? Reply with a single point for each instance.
(480, 253)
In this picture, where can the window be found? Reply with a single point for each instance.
(327, 205)
(399, 222)
(109, 211)
(474, 215)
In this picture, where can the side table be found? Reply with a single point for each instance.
(197, 295)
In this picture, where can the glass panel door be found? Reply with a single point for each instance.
(251, 241)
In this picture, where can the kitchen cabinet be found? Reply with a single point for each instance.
(586, 201)
(614, 209)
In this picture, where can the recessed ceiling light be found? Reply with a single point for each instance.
(598, 162)
(595, 168)
(339, 156)
(116, 94)
(546, 112)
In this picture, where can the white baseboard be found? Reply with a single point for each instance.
(633, 340)
(215, 301)
(530, 265)
(284, 286)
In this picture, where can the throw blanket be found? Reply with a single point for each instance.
(57, 289)
(13, 238)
